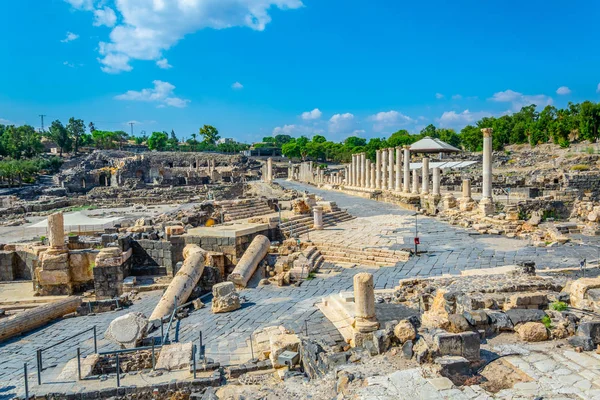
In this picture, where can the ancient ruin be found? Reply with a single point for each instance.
(439, 269)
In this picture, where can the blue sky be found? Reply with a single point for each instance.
(254, 68)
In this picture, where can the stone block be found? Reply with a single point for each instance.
(500, 321)
(280, 343)
(519, 316)
(127, 330)
(448, 344)
(585, 342)
(174, 356)
(470, 345)
(590, 329)
(532, 332)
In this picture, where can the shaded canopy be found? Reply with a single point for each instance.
(77, 218)
(432, 145)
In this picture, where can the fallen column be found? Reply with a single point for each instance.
(247, 265)
(182, 284)
(36, 317)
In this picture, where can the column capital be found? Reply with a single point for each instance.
(406, 147)
(487, 132)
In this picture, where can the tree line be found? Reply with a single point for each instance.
(559, 126)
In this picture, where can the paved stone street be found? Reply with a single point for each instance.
(448, 249)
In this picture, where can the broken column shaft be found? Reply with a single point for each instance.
(364, 303)
(182, 284)
(247, 265)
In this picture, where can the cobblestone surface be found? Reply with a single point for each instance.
(448, 250)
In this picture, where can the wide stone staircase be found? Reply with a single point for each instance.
(301, 224)
(368, 256)
(245, 208)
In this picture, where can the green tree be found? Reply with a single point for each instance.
(75, 128)
(210, 134)
(158, 141)
(59, 134)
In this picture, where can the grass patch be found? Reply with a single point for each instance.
(559, 306)
(311, 276)
(580, 167)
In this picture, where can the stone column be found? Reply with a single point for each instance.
(246, 266)
(391, 169)
(436, 182)
(406, 188)
(466, 189)
(373, 176)
(318, 217)
(486, 204)
(310, 171)
(269, 169)
(425, 171)
(398, 169)
(354, 170)
(378, 169)
(56, 231)
(384, 167)
(363, 170)
(415, 183)
(368, 174)
(364, 303)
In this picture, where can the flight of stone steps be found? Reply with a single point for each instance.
(300, 224)
(245, 208)
(314, 260)
(368, 256)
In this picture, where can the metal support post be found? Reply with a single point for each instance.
(79, 363)
(118, 372)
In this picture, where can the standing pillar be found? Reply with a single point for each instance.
(364, 303)
(436, 182)
(406, 188)
(486, 204)
(269, 170)
(318, 217)
(466, 189)
(391, 169)
(56, 231)
(384, 167)
(363, 168)
(368, 174)
(354, 170)
(415, 183)
(373, 176)
(378, 169)
(425, 170)
(398, 169)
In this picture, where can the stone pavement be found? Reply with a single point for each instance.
(448, 249)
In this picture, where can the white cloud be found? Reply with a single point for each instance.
(456, 97)
(5, 122)
(70, 37)
(163, 63)
(237, 86)
(519, 100)
(81, 4)
(148, 28)
(310, 115)
(563, 90)
(105, 17)
(358, 132)
(439, 96)
(341, 123)
(387, 119)
(454, 119)
(598, 88)
(161, 93)
(295, 130)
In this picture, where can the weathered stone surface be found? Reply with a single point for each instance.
(127, 330)
(225, 298)
(500, 321)
(174, 356)
(405, 331)
(407, 349)
(578, 292)
(532, 332)
(458, 323)
(245, 268)
(519, 316)
(590, 329)
(585, 342)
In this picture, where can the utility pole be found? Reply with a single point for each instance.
(131, 124)
(42, 117)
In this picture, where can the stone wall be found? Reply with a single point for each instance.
(587, 183)
(150, 255)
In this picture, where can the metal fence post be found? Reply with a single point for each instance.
(95, 341)
(26, 381)
(162, 331)
(153, 356)
(201, 347)
(251, 347)
(39, 367)
(118, 372)
(79, 363)
(194, 359)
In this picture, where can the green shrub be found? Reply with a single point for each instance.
(558, 306)
(547, 322)
(589, 150)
